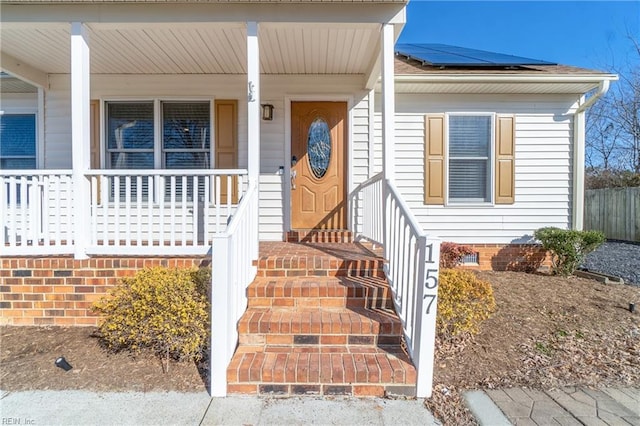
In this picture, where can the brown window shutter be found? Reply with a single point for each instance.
(505, 159)
(95, 134)
(226, 146)
(434, 159)
(94, 150)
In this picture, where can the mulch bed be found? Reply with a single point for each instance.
(546, 332)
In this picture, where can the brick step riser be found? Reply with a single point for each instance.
(319, 341)
(321, 373)
(297, 389)
(290, 273)
(320, 237)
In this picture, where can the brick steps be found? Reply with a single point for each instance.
(318, 260)
(313, 236)
(301, 373)
(320, 321)
(348, 291)
(283, 327)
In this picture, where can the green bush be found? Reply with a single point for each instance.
(568, 247)
(451, 254)
(464, 301)
(162, 310)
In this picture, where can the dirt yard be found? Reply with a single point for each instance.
(546, 332)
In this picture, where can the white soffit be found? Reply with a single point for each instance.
(197, 48)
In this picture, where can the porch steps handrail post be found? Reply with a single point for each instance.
(232, 271)
(411, 268)
(426, 279)
(80, 135)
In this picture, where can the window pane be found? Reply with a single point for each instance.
(17, 163)
(469, 158)
(187, 160)
(131, 160)
(185, 125)
(129, 125)
(469, 136)
(468, 180)
(319, 147)
(18, 141)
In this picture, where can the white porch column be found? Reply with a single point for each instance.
(253, 101)
(253, 120)
(388, 102)
(80, 135)
(388, 128)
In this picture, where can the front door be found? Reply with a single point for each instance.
(318, 167)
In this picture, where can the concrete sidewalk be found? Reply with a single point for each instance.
(565, 406)
(172, 408)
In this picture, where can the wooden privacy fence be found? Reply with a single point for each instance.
(614, 211)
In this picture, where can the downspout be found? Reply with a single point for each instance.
(579, 142)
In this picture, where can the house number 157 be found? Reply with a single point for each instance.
(430, 280)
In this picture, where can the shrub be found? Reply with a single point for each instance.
(165, 311)
(568, 247)
(464, 301)
(451, 254)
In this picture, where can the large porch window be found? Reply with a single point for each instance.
(183, 141)
(158, 135)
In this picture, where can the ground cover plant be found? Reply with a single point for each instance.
(164, 311)
(568, 247)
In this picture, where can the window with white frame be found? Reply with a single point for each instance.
(469, 158)
(183, 142)
(18, 141)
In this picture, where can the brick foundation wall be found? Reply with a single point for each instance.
(509, 257)
(57, 290)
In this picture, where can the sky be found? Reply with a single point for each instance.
(588, 34)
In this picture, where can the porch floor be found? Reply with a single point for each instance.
(320, 321)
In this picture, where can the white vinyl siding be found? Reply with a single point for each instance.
(543, 156)
(275, 90)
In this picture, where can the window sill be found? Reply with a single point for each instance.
(469, 204)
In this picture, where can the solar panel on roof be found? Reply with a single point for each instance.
(446, 55)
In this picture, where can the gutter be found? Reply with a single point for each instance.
(506, 78)
(603, 88)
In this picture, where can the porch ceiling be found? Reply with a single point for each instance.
(202, 48)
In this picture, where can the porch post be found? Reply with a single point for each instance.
(388, 129)
(80, 135)
(253, 101)
(253, 120)
(388, 102)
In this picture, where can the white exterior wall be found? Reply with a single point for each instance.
(17, 102)
(543, 164)
(276, 90)
(543, 145)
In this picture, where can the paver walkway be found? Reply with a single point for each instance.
(566, 406)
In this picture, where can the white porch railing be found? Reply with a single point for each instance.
(160, 211)
(232, 272)
(381, 215)
(132, 212)
(36, 211)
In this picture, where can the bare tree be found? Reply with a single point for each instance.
(603, 139)
(613, 124)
